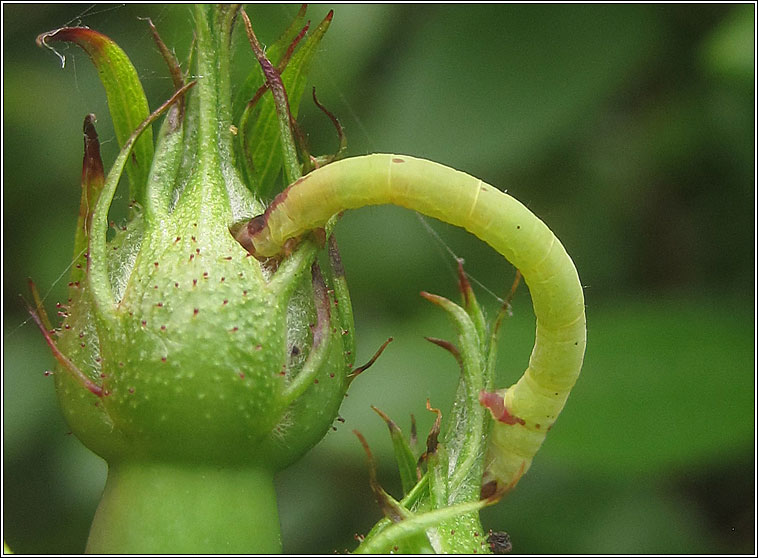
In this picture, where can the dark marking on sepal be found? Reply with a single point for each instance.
(62, 359)
(360, 369)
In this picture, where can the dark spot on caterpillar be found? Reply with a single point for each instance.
(398, 160)
(518, 226)
(319, 235)
(488, 489)
(295, 350)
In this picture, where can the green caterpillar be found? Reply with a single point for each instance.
(524, 412)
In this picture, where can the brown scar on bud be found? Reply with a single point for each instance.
(335, 259)
(496, 405)
(321, 300)
(398, 160)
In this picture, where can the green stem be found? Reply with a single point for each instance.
(156, 508)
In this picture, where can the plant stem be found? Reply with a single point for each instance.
(179, 508)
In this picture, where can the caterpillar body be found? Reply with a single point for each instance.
(524, 412)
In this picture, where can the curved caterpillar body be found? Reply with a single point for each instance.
(524, 412)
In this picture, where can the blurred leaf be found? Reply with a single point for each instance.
(559, 510)
(729, 49)
(537, 76)
(666, 383)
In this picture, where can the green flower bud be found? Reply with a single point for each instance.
(180, 353)
(191, 350)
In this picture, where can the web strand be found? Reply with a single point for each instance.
(49, 290)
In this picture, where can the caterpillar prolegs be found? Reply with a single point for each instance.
(524, 412)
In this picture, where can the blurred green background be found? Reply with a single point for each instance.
(629, 129)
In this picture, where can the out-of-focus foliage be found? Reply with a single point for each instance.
(629, 129)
